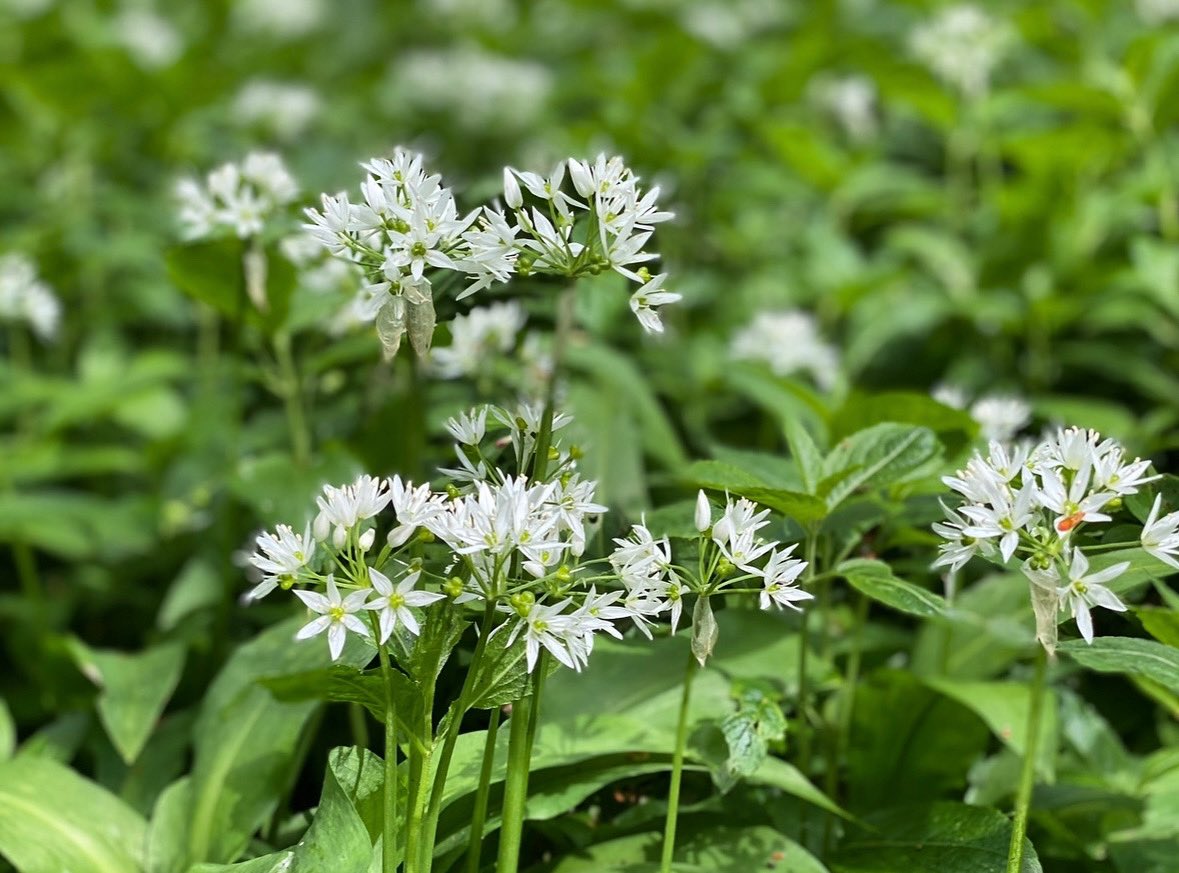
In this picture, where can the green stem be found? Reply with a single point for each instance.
(389, 805)
(522, 731)
(564, 327)
(804, 638)
(1027, 776)
(677, 769)
(292, 395)
(26, 570)
(479, 815)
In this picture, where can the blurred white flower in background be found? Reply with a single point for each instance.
(789, 342)
(283, 108)
(235, 197)
(476, 338)
(728, 23)
(281, 19)
(474, 87)
(24, 297)
(1000, 416)
(25, 8)
(962, 45)
(1157, 11)
(151, 40)
(850, 100)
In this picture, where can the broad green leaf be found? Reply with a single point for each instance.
(877, 457)
(934, 838)
(503, 676)
(276, 862)
(861, 411)
(875, 579)
(214, 273)
(53, 820)
(1145, 658)
(338, 683)
(134, 690)
(806, 454)
(928, 746)
(1004, 707)
(1162, 624)
(338, 839)
(715, 850)
(167, 832)
(719, 476)
(245, 739)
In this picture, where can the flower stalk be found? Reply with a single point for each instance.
(1027, 776)
(677, 768)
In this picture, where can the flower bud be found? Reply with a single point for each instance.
(512, 195)
(367, 538)
(703, 512)
(321, 528)
(583, 181)
(452, 587)
(339, 536)
(563, 575)
(522, 603)
(425, 536)
(724, 568)
(400, 535)
(1115, 504)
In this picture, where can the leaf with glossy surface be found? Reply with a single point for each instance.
(875, 579)
(879, 456)
(1145, 658)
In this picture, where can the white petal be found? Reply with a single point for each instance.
(312, 628)
(336, 635)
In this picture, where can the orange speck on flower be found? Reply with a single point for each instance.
(1068, 523)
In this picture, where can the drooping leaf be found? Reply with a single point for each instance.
(875, 579)
(1145, 658)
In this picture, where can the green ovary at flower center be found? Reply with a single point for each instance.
(336, 613)
(1006, 524)
(418, 250)
(1080, 587)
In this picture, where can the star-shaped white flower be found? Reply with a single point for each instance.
(1085, 591)
(337, 615)
(395, 601)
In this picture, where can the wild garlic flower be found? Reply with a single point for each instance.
(285, 109)
(394, 601)
(477, 339)
(151, 40)
(789, 342)
(336, 615)
(1157, 11)
(281, 557)
(25, 298)
(962, 45)
(1000, 417)
(1042, 502)
(1160, 536)
(235, 198)
(279, 19)
(476, 89)
(850, 101)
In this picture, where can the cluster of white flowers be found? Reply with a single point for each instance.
(727, 24)
(237, 198)
(24, 297)
(476, 338)
(151, 40)
(962, 45)
(851, 101)
(477, 89)
(1000, 416)
(408, 233)
(1040, 502)
(283, 108)
(1157, 11)
(789, 342)
(621, 216)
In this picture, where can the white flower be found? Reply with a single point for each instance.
(280, 19)
(413, 507)
(640, 556)
(469, 428)
(571, 501)
(1077, 504)
(341, 509)
(1085, 591)
(736, 533)
(478, 338)
(1160, 536)
(238, 198)
(780, 574)
(950, 395)
(789, 342)
(544, 625)
(1001, 417)
(1157, 11)
(703, 512)
(337, 615)
(962, 45)
(644, 301)
(285, 108)
(394, 602)
(959, 547)
(150, 39)
(851, 100)
(24, 297)
(1111, 472)
(280, 557)
(1004, 517)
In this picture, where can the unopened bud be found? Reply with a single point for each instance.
(724, 568)
(703, 512)
(452, 491)
(367, 538)
(563, 574)
(452, 587)
(513, 197)
(339, 536)
(321, 528)
(553, 453)
(522, 603)
(1115, 504)
(400, 535)
(425, 536)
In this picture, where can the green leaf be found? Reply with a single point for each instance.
(135, 690)
(934, 838)
(879, 456)
(338, 839)
(875, 579)
(503, 675)
(214, 274)
(1004, 707)
(7, 732)
(1162, 624)
(719, 476)
(245, 739)
(861, 411)
(806, 454)
(167, 832)
(338, 684)
(53, 820)
(1145, 658)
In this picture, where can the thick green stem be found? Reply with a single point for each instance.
(479, 815)
(1027, 776)
(522, 732)
(389, 805)
(292, 395)
(804, 640)
(564, 327)
(677, 768)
